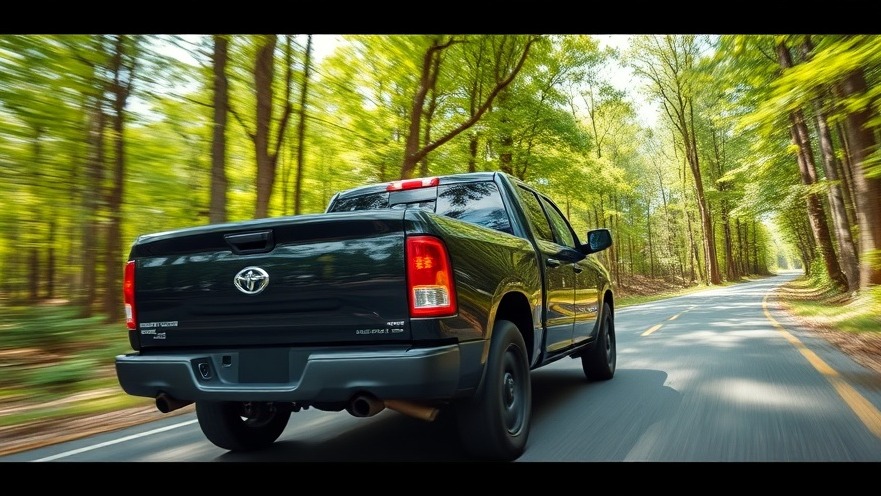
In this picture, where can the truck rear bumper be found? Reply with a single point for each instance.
(306, 375)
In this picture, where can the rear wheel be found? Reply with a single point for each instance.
(495, 422)
(599, 363)
(242, 426)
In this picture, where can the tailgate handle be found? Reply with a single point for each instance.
(252, 242)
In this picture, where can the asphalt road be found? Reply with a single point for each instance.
(716, 376)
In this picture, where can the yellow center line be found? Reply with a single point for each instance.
(865, 410)
(655, 328)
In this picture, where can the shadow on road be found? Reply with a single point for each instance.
(567, 410)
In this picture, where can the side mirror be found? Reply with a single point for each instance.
(598, 240)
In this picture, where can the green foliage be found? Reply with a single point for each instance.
(49, 351)
(51, 329)
(61, 376)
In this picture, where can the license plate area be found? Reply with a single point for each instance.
(264, 366)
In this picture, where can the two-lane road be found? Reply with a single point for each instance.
(715, 376)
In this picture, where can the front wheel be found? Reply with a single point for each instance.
(599, 363)
(494, 423)
(242, 426)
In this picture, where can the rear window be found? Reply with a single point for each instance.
(477, 203)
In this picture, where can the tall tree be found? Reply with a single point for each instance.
(265, 151)
(669, 62)
(122, 67)
(219, 182)
(301, 128)
(510, 53)
(807, 168)
(863, 145)
(835, 190)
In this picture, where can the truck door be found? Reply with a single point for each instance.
(559, 275)
(584, 277)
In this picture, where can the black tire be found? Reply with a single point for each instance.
(238, 426)
(600, 361)
(494, 424)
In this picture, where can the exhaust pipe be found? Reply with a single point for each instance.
(165, 403)
(368, 406)
(365, 406)
(421, 412)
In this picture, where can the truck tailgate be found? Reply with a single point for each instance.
(329, 278)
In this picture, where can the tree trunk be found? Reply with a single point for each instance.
(506, 139)
(264, 71)
(672, 245)
(739, 240)
(846, 248)
(807, 169)
(123, 76)
(50, 260)
(616, 246)
(709, 237)
(219, 182)
(266, 154)
(730, 263)
(428, 115)
(755, 248)
(845, 170)
(92, 204)
(695, 255)
(627, 266)
(718, 158)
(33, 274)
(816, 214)
(301, 128)
(472, 152)
(867, 190)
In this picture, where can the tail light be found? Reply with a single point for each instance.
(429, 278)
(412, 184)
(128, 295)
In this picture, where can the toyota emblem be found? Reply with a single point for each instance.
(251, 280)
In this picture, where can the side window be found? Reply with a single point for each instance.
(536, 215)
(363, 202)
(478, 203)
(561, 228)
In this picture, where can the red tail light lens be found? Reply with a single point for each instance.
(429, 278)
(128, 295)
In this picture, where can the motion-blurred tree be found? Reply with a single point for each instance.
(669, 62)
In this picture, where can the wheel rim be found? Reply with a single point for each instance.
(610, 342)
(512, 392)
(257, 414)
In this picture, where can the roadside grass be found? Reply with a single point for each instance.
(645, 290)
(55, 364)
(824, 306)
(627, 300)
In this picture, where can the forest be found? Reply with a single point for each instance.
(764, 153)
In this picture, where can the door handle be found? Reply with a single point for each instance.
(552, 262)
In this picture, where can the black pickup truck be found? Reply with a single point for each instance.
(423, 296)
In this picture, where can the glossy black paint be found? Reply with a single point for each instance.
(338, 280)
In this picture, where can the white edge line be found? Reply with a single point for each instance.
(115, 441)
